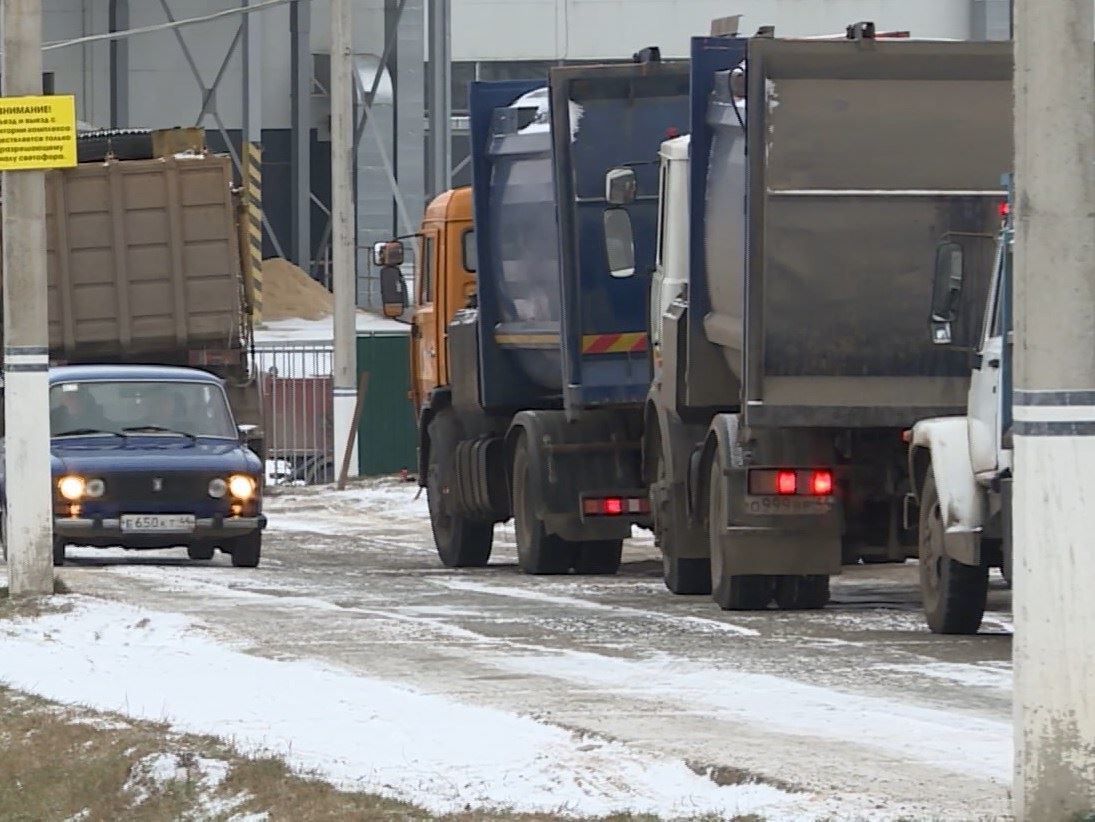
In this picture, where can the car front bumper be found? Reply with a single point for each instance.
(110, 528)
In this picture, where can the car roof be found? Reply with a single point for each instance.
(114, 373)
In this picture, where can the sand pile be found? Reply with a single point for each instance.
(288, 292)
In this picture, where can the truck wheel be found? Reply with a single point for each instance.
(599, 557)
(687, 575)
(58, 551)
(732, 592)
(954, 594)
(460, 542)
(246, 550)
(690, 575)
(200, 551)
(537, 551)
(802, 593)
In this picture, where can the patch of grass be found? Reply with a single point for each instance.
(58, 763)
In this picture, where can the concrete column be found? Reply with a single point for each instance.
(1054, 410)
(300, 26)
(440, 102)
(29, 487)
(343, 239)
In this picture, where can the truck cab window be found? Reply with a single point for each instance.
(425, 272)
(662, 202)
(470, 252)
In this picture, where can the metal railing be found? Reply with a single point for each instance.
(295, 385)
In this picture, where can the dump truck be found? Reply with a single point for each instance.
(962, 466)
(793, 273)
(144, 267)
(530, 400)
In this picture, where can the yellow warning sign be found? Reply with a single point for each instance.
(37, 132)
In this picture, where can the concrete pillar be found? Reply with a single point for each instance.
(1054, 498)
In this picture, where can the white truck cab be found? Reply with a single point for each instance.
(670, 278)
(961, 466)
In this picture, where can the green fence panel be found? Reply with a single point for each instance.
(386, 438)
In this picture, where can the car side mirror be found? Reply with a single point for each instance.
(619, 243)
(946, 291)
(621, 187)
(393, 291)
(388, 253)
(246, 431)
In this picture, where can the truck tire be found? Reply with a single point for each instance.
(690, 575)
(599, 557)
(460, 542)
(954, 594)
(538, 552)
(732, 592)
(200, 551)
(246, 550)
(58, 551)
(802, 593)
(687, 575)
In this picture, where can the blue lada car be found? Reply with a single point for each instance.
(150, 457)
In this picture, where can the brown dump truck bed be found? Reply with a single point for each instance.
(143, 257)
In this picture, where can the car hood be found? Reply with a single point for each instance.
(86, 455)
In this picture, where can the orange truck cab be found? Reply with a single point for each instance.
(444, 282)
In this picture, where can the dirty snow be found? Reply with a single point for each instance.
(357, 732)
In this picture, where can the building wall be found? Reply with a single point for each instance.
(583, 29)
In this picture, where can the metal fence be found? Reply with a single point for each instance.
(295, 385)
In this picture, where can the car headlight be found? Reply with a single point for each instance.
(95, 488)
(72, 487)
(217, 488)
(241, 486)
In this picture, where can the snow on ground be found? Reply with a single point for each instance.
(358, 732)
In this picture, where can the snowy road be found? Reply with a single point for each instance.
(853, 712)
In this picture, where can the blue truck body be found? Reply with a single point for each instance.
(556, 330)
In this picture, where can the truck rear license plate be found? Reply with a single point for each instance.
(788, 505)
(158, 523)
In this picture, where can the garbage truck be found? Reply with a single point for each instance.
(144, 265)
(793, 268)
(530, 400)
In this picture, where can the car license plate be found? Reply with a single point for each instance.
(158, 523)
(800, 506)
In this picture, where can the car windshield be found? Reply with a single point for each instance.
(190, 408)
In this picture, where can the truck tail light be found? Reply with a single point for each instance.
(790, 482)
(821, 483)
(786, 482)
(615, 506)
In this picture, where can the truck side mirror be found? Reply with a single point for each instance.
(388, 253)
(620, 186)
(393, 291)
(946, 291)
(619, 243)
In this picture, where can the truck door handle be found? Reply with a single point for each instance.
(994, 362)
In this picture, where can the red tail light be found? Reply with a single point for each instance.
(821, 483)
(786, 482)
(1005, 209)
(613, 506)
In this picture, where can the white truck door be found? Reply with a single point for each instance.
(986, 383)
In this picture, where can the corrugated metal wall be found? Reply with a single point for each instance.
(386, 439)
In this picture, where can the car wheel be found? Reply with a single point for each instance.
(246, 550)
(200, 551)
(58, 551)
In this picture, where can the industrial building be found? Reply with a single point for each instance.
(267, 80)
